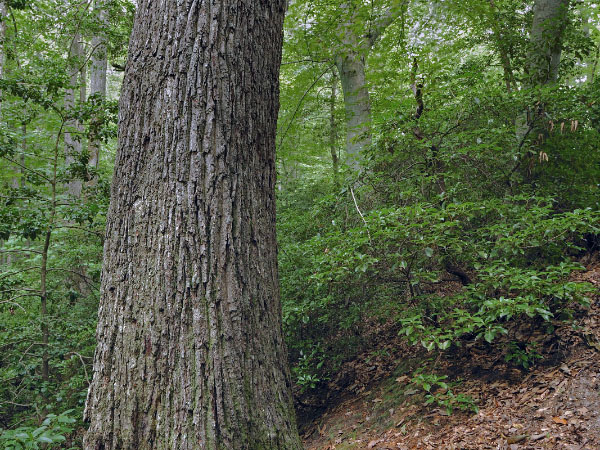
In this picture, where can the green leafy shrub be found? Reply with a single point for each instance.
(522, 355)
(515, 250)
(440, 393)
(308, 369)
(51, 434)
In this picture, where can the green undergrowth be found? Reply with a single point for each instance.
(50, 434)
(518, 254)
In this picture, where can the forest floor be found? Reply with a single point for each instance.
(554, 405)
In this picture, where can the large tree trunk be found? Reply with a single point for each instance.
(190, 345)
(549, 22)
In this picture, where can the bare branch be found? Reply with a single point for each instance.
(361, 215)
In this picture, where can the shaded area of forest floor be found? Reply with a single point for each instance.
(554, 405)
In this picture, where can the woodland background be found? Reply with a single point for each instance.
(420, 146)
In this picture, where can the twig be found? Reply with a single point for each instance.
(83, 364)
(15, 404)
(361, 215)
(35, 172)
(302, 61)
(23, 250)
(289, 124)
(13, 303)
(31, 345)
(15, 272)
(6, 291)
(514, 169)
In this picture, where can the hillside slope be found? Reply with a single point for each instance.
(554, 405)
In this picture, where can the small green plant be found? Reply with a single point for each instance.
(382, 353)
(430, 381)
(308, 368)
(51, 434)
(450, 401)
(440, 393)
(523, 355)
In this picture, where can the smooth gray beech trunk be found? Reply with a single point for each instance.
(3, 12)
(74, 134)
(190, 345)
(350, 62)
(357, 104)
(333, 128)
(4, 257)
(543, 59)
(98, 74)
(17, 181)
(549, 22)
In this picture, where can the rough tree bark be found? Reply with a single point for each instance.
(190, 346)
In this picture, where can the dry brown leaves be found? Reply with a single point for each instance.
(556, 406)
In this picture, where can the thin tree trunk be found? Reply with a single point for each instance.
(509, 78)
(333, 129)
(44, 306)
(543, 59)
(190, 345)
(98, 78)
(18, 180)
(74, 133)
(357, 104)
(549, 23)
(44, 263)
(350, 62)
(5, 257)
(3, 12)
(23, 152)
(594, 66)
(433, 163)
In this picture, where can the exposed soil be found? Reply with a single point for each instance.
(554, 405)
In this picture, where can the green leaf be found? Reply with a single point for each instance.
(489, 336)
(444, 345)
(66, 419)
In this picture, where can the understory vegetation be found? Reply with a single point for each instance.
(476, 193)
